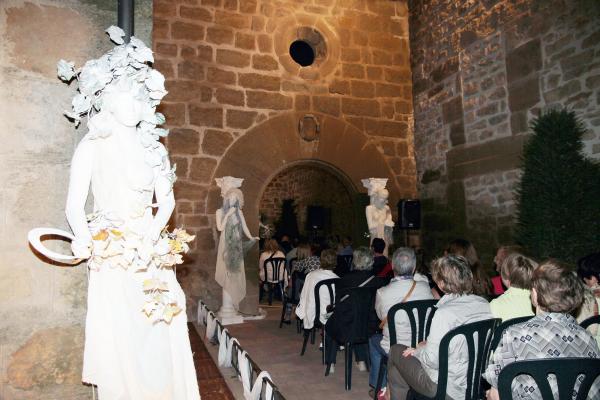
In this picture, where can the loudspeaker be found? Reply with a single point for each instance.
(409, 214)
(316, 217)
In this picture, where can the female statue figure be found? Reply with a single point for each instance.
(378, 213)
(136, 338)
(230, 272)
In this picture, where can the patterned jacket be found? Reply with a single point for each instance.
(548, 335)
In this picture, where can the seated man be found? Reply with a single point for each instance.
(306, 307)
(516, 272)
(556, 293)
(418, 368)
(401, 289)
(379, 259)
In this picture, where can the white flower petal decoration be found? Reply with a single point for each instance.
(116, 34)
(143, 55)
(65, 70)
(160, 118)
(155, 81)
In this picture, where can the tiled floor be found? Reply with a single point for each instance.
(211, 382)
(278, 351)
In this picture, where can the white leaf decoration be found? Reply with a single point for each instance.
(143, 55)
(65, 70)
(73, 116)
(116, 34)
(161, 132)
(81, 103)
(160, 118)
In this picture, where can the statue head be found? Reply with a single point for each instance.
(380, 197)
(120, 101)
(233, 198)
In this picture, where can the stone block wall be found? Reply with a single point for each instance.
(43, 306)
(310, 186)
(236, 98)
(481, 71)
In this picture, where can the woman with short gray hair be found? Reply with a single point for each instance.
(362, 259)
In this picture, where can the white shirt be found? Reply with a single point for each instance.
(306, 308)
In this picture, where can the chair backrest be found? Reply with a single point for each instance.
(330, 284)
(362, 301)
(590, 321)
(500, 328)
(478, 336)
(419, 327)
(566, 370)
(277, 265)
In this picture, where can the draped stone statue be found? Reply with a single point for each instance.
(378, 213)
(234, 240)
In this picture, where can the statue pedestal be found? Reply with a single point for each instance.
(227, 313)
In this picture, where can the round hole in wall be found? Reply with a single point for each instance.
(302, 53)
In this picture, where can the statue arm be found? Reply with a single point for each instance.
(371, 223)
(388, 217)
(79, 184)
(163, 190)
(245, 226)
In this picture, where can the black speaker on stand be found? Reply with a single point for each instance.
(409, 216)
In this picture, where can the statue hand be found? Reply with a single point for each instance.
(81, 248)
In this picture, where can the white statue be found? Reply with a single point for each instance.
(379, 215)
(230, 272)
(136, 336)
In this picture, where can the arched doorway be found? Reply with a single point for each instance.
(323, 199)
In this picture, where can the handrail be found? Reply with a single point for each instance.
(255, 370)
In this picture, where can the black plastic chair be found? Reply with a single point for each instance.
(586, 323)
(292, 299)
(566, 370)
(330, 285)
(343, 265)
(419, 328)
(478, 351)
(274, 278)
(500, 329)
(362, 302)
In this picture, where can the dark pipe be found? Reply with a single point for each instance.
(125, 17)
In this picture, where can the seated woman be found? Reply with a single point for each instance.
(402, 288)
(418, 368)
(306, 308)
(482, 285)
(516, 272)
(271, 250)
(588, 269)
(503, 251)
(556, 292)
(361, 274)
(310, 263)
(341, 321)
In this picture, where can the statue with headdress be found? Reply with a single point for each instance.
(136, 335)
(234, 241)
(378, 213)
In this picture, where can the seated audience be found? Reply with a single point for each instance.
(457, 307)
(482, 286)
(588, 269)
(402, 288)
(285, 244)
(306, 307)
(556, 293)
(379, 260)
(345, 248)
(503, 251)
(310, 263)
(516, 272)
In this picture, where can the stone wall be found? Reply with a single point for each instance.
(236, 100)
(42, 306)
(481, 71)
(310, 185)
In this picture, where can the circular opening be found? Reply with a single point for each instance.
(302, 53)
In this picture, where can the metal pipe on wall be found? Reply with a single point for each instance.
(125, 17)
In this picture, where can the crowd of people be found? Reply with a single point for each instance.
(552, 295)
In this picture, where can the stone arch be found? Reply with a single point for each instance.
(275, 144)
